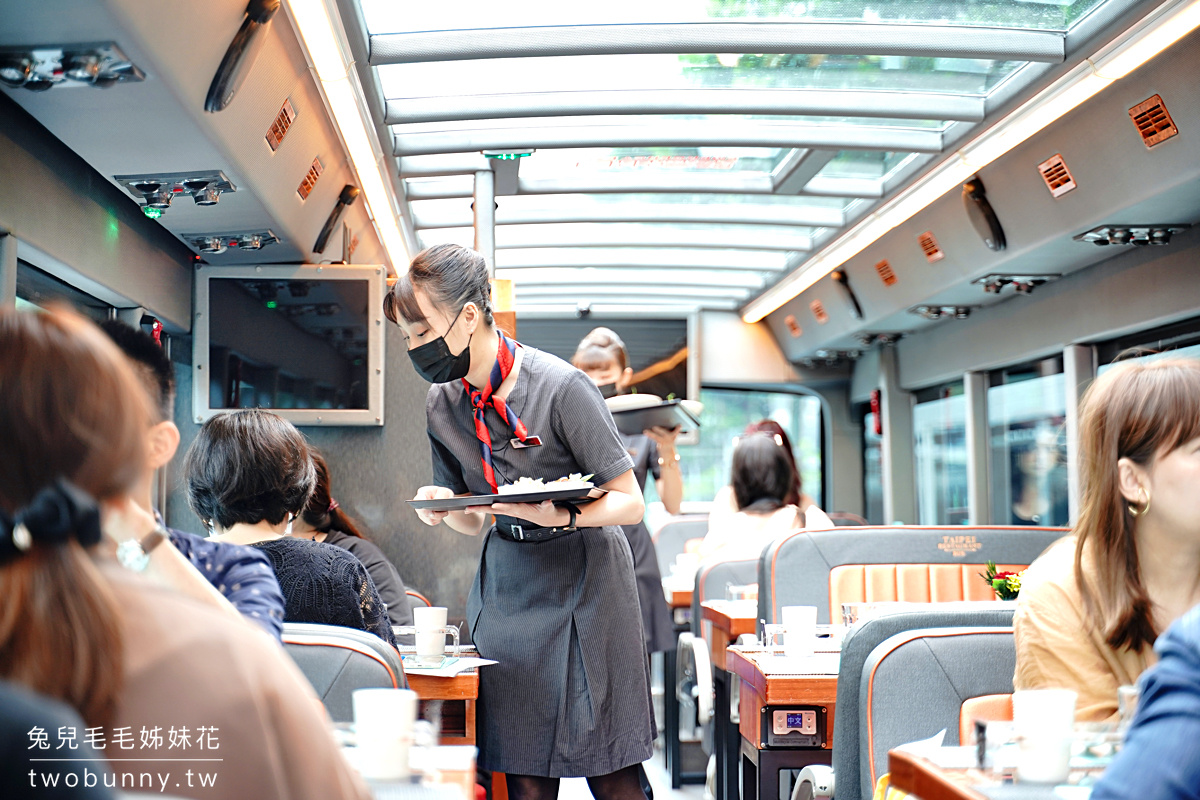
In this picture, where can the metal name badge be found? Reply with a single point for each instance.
(530, 441)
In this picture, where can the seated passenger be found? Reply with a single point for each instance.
(249, 474)
(242, 574)
(762, 479)
(30, 725)
(725, 505)
(1160, 759)
(1092, 605)
(153, 674)
(324, 520)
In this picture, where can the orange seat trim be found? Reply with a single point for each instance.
(991, 707)
(927, 634)
(310, 641)
(908, 583)
(418, 596)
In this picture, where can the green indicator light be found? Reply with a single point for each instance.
(152, 213)
(272, 304)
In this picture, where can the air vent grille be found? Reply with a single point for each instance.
(1056, 175)
(310, 180)
(886, 273)
(793, 327)
(281, 125)
(929, 245)
(818, 310)
(1153, 121)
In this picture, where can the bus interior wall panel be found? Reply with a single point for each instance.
(159, 125)
(374, 471)
(1117, 175)
(66, 216)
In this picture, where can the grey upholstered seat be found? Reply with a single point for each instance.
(801, 568)
(714, 576)
(672, 538)
(338, 660)
(914, 684)
(859, 646)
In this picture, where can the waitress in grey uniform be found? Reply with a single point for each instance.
(554, 600)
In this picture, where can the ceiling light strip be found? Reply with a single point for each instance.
(1146, 39)
(330, 57)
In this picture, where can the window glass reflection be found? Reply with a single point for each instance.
(1026, 418)
(727, 412)
(939, 433)
(872, 471)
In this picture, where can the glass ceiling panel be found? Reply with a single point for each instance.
(655, 119)
(555, 163)
(608, 234)
(388, 16)
(680, 258)
(863, 164)
(693, 71)
(541, 202)
(632, 277)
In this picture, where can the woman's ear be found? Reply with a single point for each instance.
(471, 317)
(625, 379)
(1133, 480)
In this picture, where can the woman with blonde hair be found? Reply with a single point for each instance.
(1093, 604)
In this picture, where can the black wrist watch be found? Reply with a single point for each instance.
(574, 512)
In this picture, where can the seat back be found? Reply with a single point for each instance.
(338, 660)
(418, 600)
(672, 538)
(914, 684)
(712, 578)
(860, 643)
(875, 564)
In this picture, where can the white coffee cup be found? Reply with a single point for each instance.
(1044, 720)
(426, 618)
(799, 630)
(383, 728)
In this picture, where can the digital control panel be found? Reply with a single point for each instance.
(794, 727)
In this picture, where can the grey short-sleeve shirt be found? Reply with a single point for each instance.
(557, 403)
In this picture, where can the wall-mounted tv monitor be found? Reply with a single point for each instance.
(662, 349)
(303, 341)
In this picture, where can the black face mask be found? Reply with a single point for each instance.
(434, 362)
(608, 390)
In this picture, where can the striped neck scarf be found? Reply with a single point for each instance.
(482, 398)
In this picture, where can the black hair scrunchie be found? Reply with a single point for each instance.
(56, 513)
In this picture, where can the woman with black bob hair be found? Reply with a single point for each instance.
(554, 599)
(249, 474)
(763, 483)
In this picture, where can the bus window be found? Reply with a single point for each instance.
(1026, 416)
(940, 436)
(37, 289)
(727, 412)
(872, 471)
(1181, 340)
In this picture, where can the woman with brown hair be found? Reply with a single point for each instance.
(1092, 605)
(131, 655)
(324, 520)
(601, 355)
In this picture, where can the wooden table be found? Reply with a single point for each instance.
(922, 778)
(678, 598)
(458, 707)
(728, 619)
(764, 688)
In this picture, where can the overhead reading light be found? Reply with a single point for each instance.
(240, 55)
(330, 56)
(157, 191)
(1140, 235)
(941, 312)
(1154, 33)
(40, 68)
(1022, 284)
(214, 243)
